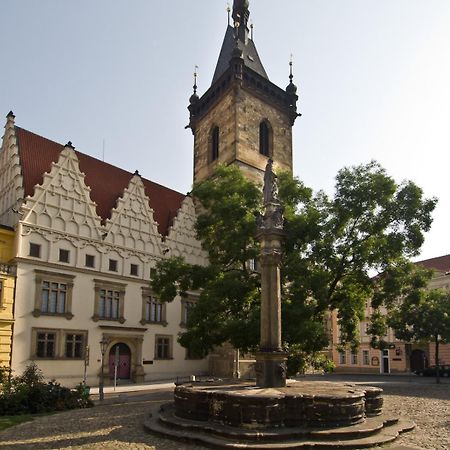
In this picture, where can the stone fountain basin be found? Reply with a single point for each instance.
(299, 404)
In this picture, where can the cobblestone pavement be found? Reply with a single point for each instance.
(119, 426)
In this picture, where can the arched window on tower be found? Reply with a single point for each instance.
(215, 143)
(265, 138)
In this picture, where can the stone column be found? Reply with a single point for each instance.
(271, 359)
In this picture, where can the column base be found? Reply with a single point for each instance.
(271, 369)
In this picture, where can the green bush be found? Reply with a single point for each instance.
(299, 361)
(29, 394)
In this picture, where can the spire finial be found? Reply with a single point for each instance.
(70, 145)
(229, 13)
(10, 115)
(291, 76)
(194, 96)
(251, 31)
(195, 79)
(241, 14)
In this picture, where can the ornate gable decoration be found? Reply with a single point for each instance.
(62, 202)
(132, 224)
(11, 179)
(182, 238)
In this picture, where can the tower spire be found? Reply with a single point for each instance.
(241, 14)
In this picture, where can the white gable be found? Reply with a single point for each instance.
(132, 224)
(182, 239)
(62, 202)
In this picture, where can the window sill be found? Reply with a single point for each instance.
(38, 313)
(107, 319)
(163, 323)
(163, 359)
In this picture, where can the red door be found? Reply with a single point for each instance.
(121, 354)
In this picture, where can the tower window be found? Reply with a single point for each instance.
(264, 138)
(215, 144)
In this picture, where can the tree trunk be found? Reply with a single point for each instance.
(436, 357)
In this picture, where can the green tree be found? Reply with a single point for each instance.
(423, 316)
(333, 247)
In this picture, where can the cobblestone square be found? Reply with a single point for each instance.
(118, 424)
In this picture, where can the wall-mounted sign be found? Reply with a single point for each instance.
(147, 362)
(375, 361)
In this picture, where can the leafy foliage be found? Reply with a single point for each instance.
(333, 248)
(29, 394)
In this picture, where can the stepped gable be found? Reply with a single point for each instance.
(106, 181)
(440, 263)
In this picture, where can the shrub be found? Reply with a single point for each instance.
(28, 393)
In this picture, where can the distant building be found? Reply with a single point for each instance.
(7, 278)
(399, 356)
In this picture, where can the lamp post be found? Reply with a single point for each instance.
(103, 345)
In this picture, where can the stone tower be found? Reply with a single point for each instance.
(243, 118)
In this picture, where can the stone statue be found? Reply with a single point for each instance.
(273, 211)
(270, 190)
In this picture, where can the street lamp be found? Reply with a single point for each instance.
(103, 345)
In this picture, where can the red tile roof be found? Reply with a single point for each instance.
(107, 182)
(440, 263)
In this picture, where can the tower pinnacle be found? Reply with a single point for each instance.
(241, 14)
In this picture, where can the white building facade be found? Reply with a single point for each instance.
(88, 235)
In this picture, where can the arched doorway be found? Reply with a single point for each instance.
(120, 355)
(418, 360)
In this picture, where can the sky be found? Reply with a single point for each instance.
(114, 77)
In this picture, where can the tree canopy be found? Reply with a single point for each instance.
(340, 251)
(422, 316)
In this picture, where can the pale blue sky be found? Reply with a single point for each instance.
(373, 76)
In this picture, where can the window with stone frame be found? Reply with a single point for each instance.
(75, 345)
(134, 270)
(89, 261)
(366, 361)
(109, 301)
(354, 358)
(342, 359)
(186, 306)
(215, 142)
(153, 311)
(163, 347)
(46, 344)
(53, 294)
(58, 343)
(265, 138)
(64, 255)
(35, 250)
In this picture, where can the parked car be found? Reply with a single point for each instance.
(444, 371)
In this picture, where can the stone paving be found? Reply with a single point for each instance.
(120, 425)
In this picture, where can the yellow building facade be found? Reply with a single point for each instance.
(7, 282)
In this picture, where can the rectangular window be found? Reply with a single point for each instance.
(253, 265)
(35, 250)
(46, 344)
(74, 346)
(366, 357)
(354, 358)
(342, 358)
(53, 297)
(154, 310)
(90, 261)
(186, 306)
(108, 307)
(163, 347)
(113, 265)
(134, 270)
(64, 255)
